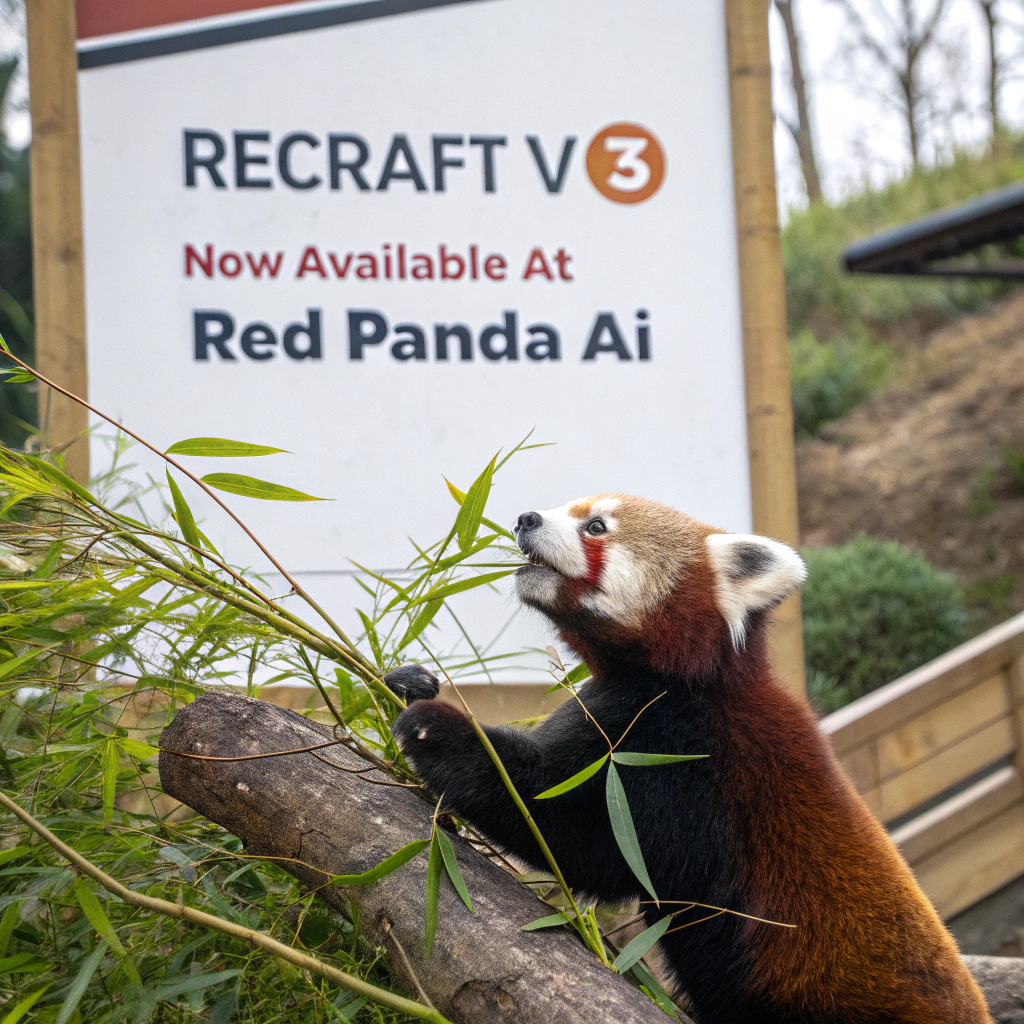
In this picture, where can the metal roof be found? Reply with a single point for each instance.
(931, 244)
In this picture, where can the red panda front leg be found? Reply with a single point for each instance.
(441, 745)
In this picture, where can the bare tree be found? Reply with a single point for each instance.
(988, 10)
(895, 42)
(801, 128)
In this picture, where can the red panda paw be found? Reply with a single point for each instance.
(430, 727)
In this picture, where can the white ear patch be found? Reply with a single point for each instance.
(751, 574)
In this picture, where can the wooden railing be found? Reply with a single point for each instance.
(938, 755)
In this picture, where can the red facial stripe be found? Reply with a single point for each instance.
(594, 551)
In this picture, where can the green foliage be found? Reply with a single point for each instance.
(1014, 460)
(822, 297)
(829, 379)
(872, 611)
(107, 626)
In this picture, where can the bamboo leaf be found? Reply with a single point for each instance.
(446, 590)
(12, 665)
(640, 944)
(183, 514)
(24, 1006)
(109, 764)
(652, 987)
(193, 983)
(551, 921)
(573, 781)
(219, 448)
(10, 921)
(251, 487)
(60, 478)
(433, 888)
(385, 867)
(81, 983)
(460, 497)
(93, 910)
(420, 623)
(13, 854)
(18, 376)
(624, 830)
(625, 757)
(468, 521)
(578, 674)
(452, 867)
(137, 749)
(371, 636)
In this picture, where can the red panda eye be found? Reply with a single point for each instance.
(597, 527)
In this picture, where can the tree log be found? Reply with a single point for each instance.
(483, 968)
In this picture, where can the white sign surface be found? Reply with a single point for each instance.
(393, 243)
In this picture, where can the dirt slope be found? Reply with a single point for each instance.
(925, 463)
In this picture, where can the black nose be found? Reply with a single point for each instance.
(528, 521)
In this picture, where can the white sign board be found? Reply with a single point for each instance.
(394, 236)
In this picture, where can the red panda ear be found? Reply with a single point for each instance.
(751, 574)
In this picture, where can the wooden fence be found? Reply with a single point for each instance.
(938, 755)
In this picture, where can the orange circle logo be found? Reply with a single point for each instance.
(626, 163)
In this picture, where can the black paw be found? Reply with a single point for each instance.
(425, 728)
(412, 682)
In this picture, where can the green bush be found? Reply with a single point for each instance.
(829, 379)
(873, 610)
(823, 297)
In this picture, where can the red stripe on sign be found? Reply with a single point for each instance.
(108, 17)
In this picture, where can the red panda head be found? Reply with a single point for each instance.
(621, 575)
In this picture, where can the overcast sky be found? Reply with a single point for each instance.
(859, 137)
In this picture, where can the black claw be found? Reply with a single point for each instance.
(412, 682)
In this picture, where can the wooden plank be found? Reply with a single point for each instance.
(977, 864)
(928, 833)
(905, 791)
(913, 694)
(861, 767)
(58, 268)
(926, 735)
(763, 310)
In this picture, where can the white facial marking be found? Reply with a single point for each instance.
(604, 505)
(751, 574)
(622, 594)
(557, 542)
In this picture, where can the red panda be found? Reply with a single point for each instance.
(662, 606)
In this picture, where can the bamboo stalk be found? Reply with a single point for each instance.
(254, 938)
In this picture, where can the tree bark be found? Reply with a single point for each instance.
(484, 968)
(988, 10)
(802, 134)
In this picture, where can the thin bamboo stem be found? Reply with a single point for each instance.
(347, 981)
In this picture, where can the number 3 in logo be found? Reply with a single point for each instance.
(626, 163)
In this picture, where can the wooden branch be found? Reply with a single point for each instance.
(484, 968)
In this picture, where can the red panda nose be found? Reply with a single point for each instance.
(528, 521)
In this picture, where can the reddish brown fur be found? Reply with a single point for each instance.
(867, 939)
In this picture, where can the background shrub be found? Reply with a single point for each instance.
(823, 297)
(829, 379)
(873, 610)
